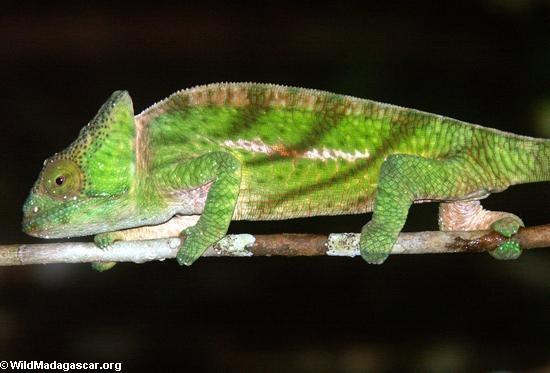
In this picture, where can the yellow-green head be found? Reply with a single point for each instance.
(83, 186)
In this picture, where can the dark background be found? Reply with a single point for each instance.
(485, 62)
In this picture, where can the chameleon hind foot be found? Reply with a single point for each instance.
(194, 242)
(507, 227)
(464, 216)
(403, 178)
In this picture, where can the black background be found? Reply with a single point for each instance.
(485, 62)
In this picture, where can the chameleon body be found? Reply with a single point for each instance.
(234, 151)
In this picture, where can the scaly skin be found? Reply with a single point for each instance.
(265, 152)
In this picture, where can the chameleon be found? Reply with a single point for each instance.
(249, 151)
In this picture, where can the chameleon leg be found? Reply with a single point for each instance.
(223, 170)
(470, 215)
(403, 179)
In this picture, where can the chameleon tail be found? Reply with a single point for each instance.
(519, 160)
(543, 160)
(537, 164)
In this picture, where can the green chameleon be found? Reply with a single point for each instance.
(246, 151)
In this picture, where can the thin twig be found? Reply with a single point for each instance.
(337, 244)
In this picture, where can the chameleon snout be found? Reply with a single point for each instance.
(29, 225)
(31, 212)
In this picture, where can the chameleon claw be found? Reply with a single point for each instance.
(508, 250)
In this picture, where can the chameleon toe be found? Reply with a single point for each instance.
(185, 253)
(102, 266)
(374, 257)
(507, 226)
(104, 240)
(508, 250)
(183, 258)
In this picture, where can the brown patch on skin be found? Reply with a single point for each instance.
(282, 151)
(305, 101)
(219, 97)
(467, 216)
(239, 95)
(155, 110)
(141, 145)
(198, 98)
(348, 107)
(280, 98)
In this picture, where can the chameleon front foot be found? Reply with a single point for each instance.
(507, 227)
(375, 243)
(191, 248)
(103, 240)
(223, 172)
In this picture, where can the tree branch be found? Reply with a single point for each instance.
(337, 244)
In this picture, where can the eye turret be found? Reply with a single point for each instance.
(62, 178)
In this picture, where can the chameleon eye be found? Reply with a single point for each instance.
(62, 178)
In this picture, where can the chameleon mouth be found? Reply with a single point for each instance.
(28, 225)
(43, 222)
(31, 227)
(73, 218)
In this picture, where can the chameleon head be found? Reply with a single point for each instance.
(84, 189)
